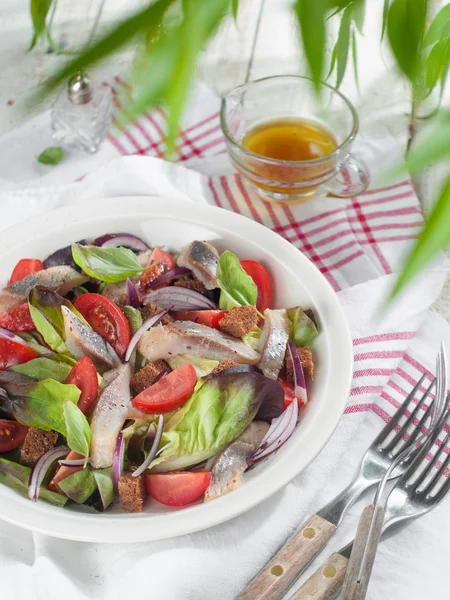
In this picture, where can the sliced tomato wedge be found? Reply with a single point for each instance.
(25, 267)
(12, 353)
(84, 376)
(263, 282)
(210, 318)
(63, 472)
(12, 435)
(17, 318)
(168, 393)
(106, 318)
(289, 394)
(177, 489)
(164, 264)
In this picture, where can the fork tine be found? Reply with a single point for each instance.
(441, 469)
(430, 465)
(389, 427)
(403, 429)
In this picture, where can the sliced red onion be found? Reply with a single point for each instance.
(40, 470)
(153, 450)
(74, 462)
(9, 335)
(289, 418)
(142, 329)
(173, 274)
(113, 240)
(180, 299)
(118, 459)
(160, 376)
(132, 294)
(299, 376)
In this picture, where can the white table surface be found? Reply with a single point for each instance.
(264, 42)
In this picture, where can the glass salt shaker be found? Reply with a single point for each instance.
(82, 114)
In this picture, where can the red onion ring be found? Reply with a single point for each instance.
(142, 329)
(160, 375)
(75, 462)
(113, 240)
(173, 274)
(40, 470)
(118, 459)
(180, 299)
(289, 418)
(133, 299)
(299, 376)
(153, 450)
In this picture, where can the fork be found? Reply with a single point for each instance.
(310, 538)
(418, 491)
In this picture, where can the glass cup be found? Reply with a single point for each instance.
(339, 173)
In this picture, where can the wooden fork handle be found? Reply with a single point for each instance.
(326, 581)
(357, 577)
(281, 571)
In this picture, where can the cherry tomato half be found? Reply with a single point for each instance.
(262, 280)
(17, 318)
(165, 263)
(177, 489)
(106, 318)
(12, 435)
(84, 376)
(168, 393)
(25, 267)
(210, 318)
(12, 353)
(289, 394)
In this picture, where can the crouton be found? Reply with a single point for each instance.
(224, 364)
(306, 359)
(150, 309)
(37, 442)
(239, 321)
(132, 492)
(146, 376)
(192, 284)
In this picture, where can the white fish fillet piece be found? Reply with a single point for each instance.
(273, 342)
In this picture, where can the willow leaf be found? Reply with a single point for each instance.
(433, 148)
(119, 36)
(235, 8)
(405, 27)
(359, 13)
(355, 59)
(311, 17)
(385, 18)
(433, 237)
(39, 10)
(342, 45)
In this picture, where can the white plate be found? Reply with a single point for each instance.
(160, 221)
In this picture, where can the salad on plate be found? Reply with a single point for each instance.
(129, 372)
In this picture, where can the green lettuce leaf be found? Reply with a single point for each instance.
(44, 368)
(236, 287)
(103, 479)
(78, 430)
(252, 337)
(216, 414)
(202, 366)
(80, 486)
(106, 264)
(41, 405)
(302, 330)
(47, 331)
(17, 476)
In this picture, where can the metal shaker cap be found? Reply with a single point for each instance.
(80, 89)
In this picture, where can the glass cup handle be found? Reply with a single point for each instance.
(352, 178)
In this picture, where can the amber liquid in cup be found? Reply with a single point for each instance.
(289, 139)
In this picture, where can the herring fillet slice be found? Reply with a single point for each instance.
(273, 342)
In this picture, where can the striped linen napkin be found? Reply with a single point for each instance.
(358, 245)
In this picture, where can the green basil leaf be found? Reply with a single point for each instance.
(134, 317)
(80, 486)
(41, 405)
(106, 264)
(51, 156)
(78, 430)
(17, 476)
(44, 368)
(103, 479)
(237, 288)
